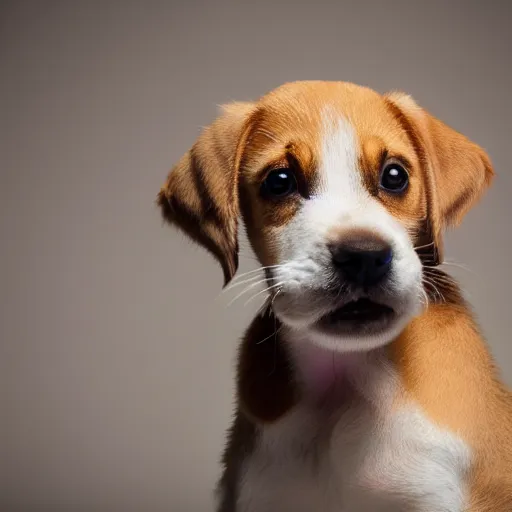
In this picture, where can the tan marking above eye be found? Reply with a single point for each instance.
(373, 148)
(303, 156)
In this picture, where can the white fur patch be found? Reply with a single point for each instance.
(364, 459)
(339, 175)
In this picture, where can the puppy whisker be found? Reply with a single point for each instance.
(245, 281)
(264, 291)
(424, 296)
(461, 266)
(245, 290)
(423, 246)
(440, 278)
(250, 272)
(270, 336)
(431, 283)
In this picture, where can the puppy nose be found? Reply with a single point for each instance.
(364, 263)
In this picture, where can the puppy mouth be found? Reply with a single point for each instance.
(361, 315)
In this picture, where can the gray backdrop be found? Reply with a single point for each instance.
(116, 355)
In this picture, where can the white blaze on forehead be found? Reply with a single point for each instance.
(341, 188)
(339, 168)
(339, 154)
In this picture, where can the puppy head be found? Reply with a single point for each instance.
(339, 188)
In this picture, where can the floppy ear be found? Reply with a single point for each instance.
(457, 170)
(200, 195)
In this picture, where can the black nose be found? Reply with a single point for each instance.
(364, 264)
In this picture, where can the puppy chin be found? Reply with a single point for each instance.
(359, 340)
(350, 337)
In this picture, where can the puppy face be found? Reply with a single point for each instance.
(338, 186)
(332, 192)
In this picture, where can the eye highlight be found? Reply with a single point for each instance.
(394, 178)
(279, 183)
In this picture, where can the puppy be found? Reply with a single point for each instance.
(365, 384)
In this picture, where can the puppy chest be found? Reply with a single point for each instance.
(309, 462)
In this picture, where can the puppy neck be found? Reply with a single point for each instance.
(321, 369)
(335, 377)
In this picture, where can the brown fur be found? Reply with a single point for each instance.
(265, 382)
(200, 195)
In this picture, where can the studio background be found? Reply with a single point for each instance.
(117, 352)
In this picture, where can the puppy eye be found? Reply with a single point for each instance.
(279, 183)
(394, 178)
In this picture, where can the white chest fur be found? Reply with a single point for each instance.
(364, 457)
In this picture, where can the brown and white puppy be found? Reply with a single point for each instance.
(365, 385)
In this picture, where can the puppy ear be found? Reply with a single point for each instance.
(457, 171)
(200, 195)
